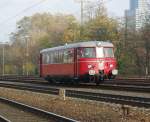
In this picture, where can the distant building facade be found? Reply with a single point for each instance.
(137, 14)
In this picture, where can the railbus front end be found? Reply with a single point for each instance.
(97, 63)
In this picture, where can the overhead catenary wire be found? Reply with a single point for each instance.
(97, 4)
(23, 11)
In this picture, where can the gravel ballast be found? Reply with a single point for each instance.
(82, 110)
(18, 115)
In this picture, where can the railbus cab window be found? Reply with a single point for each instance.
(87, 52)
(108, 52)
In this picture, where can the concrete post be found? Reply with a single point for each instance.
(62, 94)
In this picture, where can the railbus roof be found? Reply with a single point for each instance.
(80, 44)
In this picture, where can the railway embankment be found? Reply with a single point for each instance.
(79, 109)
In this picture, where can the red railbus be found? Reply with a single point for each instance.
(91, 61)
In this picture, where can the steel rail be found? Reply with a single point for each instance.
(125, 81)
(134, 78)
(118, 81)
(3, 119)
(135, 83)
(120, 99)
(51, 89)
(54, 91)
(6, 78)
(37, 77)
(120, 87)
(37, 110)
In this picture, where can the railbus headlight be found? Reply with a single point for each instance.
(89, 66)
(114, 71)
(111, 65)
(92, 72)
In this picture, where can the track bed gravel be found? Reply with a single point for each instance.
(18, 115)
(82, 110)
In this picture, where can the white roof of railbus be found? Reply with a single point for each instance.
(80, 44)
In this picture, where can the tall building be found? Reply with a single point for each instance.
(137, 14)
(133, 4)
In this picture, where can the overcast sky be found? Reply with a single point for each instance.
(12, 11)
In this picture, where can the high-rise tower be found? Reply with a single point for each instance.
(133, 4)
(137, 14)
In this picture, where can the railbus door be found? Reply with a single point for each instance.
(40, 65)
(76, 63)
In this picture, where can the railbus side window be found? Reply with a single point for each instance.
(65, 59)
(47, 58)
(70, 56)
(55, 57)
(44, 58)
(61, 56)
(50, 58)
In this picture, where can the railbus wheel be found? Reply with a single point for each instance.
(49, 79)
(99, 79)
(111, 77)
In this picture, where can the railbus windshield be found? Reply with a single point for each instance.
(87, 52)
(108, 52)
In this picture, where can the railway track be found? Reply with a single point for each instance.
(22, 78)
(54, 88)
(17, 112)
(30, 87)
(140, 83)
(121, 81)
(3, 119)
(124, 85)
(112, 98)
(119, 99)
(131, 81)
